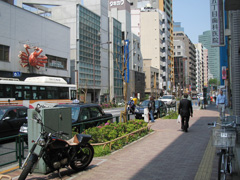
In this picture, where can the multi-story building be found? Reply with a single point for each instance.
(179, 67)
(130, 44)
(177, 27)
(190, 66)
(152, 48)
(166, 7)
(213, 54)
(200, 67)
(205, 65)
(17, 30)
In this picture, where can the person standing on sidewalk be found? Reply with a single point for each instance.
(151, 108)
(221, 103)
(185, 110)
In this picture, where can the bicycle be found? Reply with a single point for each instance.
(225, 139)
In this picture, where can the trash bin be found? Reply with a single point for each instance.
(146, 116)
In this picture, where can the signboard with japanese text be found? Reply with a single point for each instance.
(217, 23)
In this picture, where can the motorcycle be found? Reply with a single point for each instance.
(58, 153)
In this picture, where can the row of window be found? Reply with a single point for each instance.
(33, 92)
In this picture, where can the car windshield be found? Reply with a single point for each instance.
(2, 112)
(167, 97)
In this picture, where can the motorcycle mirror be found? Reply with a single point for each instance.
(37, 108)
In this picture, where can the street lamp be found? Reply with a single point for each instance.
(108, 42)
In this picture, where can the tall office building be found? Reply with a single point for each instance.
(213, 54)
(177, 27)
(199, 67)
(164, 6)
(205, 66)
(190, 62)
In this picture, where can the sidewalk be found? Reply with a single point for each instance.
(166, 154)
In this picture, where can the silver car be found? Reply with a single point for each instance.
(169, 100)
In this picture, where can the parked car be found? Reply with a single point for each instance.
(169, 100)
(160, 109)
(11, 119)
(86, 112)
(82, 113)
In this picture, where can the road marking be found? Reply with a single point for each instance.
(8, 170)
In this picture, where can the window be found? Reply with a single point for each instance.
(95, 112)
(57, 62)
(84, 114)
(22, 113)
(12, 114)
(4, 53)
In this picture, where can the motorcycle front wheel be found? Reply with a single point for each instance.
(28, 167)
(83, 158)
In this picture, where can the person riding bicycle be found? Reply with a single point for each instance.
(185, 110)
(131, 105)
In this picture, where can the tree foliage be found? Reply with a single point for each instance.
(213, 82)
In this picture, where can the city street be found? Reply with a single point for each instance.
(167, 153)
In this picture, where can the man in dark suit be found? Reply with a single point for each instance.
(185, 110)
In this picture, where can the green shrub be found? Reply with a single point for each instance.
(110, 131)
(171, 115)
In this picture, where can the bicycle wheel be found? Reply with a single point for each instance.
(221, 166)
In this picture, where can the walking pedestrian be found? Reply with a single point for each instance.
(221, 103)
(185, 110)
(151, 108)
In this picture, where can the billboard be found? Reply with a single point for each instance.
(217, 22)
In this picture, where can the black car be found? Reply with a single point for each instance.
(81, 113)
(87, 112)
(160, 109)
(11, 119)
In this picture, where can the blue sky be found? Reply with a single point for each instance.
(194, 16)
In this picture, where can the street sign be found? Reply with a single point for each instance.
(16, 74)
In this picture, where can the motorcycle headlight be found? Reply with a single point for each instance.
(155, 111)
(41, 142)
(23, 129)
(136, 110)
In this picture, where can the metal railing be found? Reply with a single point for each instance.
(18, 150)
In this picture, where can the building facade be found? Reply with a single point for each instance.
(17, 30)
(190, 65)
(213, 54)
(200, 67)
(94, 32)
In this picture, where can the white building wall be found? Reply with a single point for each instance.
(137, 61)
(19, 27)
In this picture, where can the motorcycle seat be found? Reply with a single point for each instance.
(73, 141)
(79, 138)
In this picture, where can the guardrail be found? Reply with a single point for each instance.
(18, 150)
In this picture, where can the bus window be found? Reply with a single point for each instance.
(1, 92)
(18, 95)
(63, 93)
(9, 92)
(26, 95)
(73, 94)
(35, 96)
